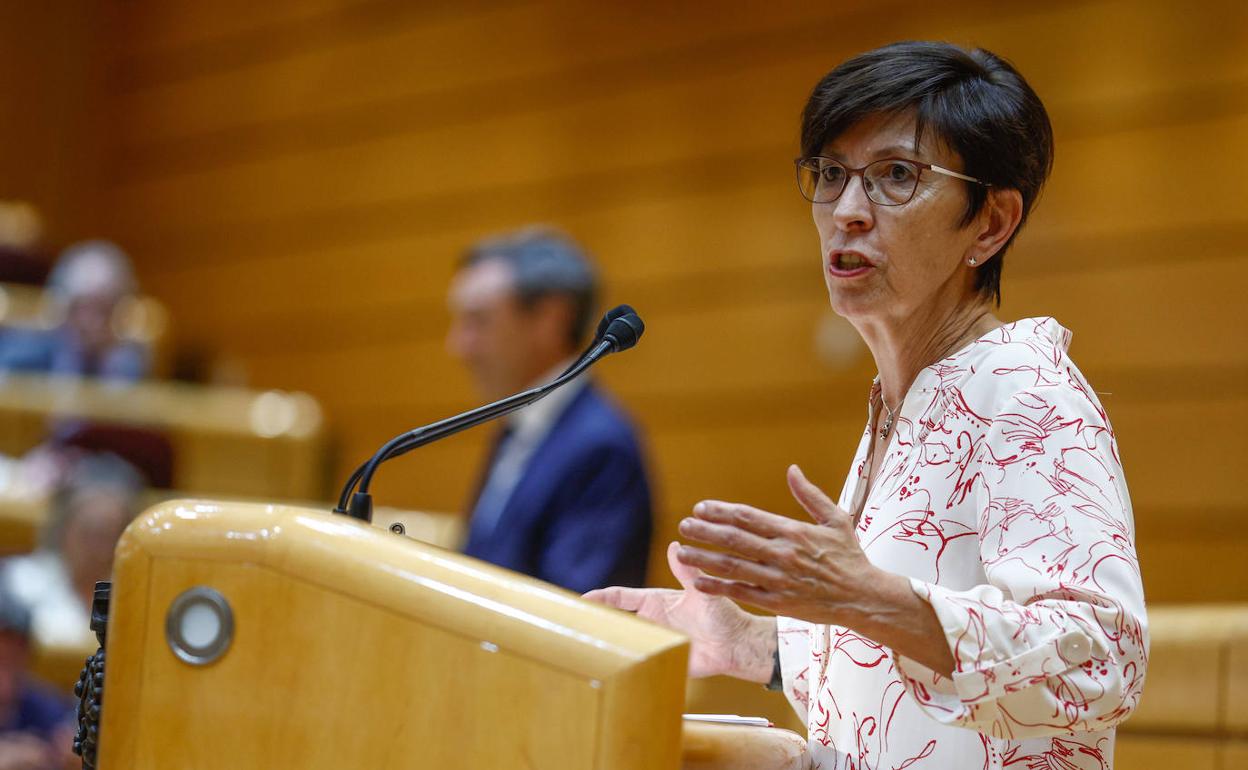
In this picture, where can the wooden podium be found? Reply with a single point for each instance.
(249, 636)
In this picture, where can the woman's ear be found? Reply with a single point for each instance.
(996, 223)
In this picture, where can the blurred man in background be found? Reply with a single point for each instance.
(564, 495)
(90, 281)
(90, 508)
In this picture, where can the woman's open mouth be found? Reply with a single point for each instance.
(847, 264)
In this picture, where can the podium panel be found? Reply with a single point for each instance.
(349, 646)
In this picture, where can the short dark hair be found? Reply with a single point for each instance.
(545, 262)
(973, 101)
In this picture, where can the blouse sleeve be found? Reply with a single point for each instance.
(1056, 640)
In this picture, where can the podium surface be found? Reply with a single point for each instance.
(349, 646)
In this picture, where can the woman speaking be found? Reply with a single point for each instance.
(973, 599)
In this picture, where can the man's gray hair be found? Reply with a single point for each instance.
(545, 261)
(88, 267)
(92, 474)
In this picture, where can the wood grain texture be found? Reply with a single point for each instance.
(225, 440)
(709, 746)
(296, 179)
(456, 663)
(51, 140)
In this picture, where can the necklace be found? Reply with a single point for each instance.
(888, 418)
(890, 414)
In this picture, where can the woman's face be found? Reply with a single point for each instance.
(895, 262)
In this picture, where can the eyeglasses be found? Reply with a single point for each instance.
(887, 182)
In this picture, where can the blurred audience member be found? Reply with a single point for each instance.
(564, 496)
(36, 723)
(91, 506)
(89, 282)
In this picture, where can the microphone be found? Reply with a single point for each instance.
(605, 327)
(609, 316)
(623, 328)
(619, 330)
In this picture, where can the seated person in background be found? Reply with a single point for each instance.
(564, 495)
(91, 506)
(87, 284)
(36, 724)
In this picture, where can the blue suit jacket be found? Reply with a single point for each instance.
(580, 515)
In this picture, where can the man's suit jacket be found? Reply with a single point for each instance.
(580, 515)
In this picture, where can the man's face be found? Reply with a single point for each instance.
(495, 337)
(93, 286)
(92, 533)
(90, 316)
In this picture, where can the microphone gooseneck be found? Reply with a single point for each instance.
(603, 325)
(619, 330)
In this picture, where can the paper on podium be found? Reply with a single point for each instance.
(730, 719)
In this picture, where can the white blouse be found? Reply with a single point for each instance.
(1001, 496)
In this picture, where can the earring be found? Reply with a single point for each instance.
(972, 262)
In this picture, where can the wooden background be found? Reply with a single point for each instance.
(295, 178)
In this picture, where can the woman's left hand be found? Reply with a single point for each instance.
(813, 572)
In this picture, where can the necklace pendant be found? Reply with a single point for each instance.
(886, 427)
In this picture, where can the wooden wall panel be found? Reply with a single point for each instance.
(157, 29)
(697, 349)
(603, 136)
(442, 54)
(297, 177)
(440, 58)
(49, 149)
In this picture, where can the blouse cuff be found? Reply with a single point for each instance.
(793, 648)
(985, 671)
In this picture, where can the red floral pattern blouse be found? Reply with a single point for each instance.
(1002, 497)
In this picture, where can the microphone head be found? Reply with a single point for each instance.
(610, 316)
(624, 330)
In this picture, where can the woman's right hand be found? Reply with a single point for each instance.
(724, 639)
